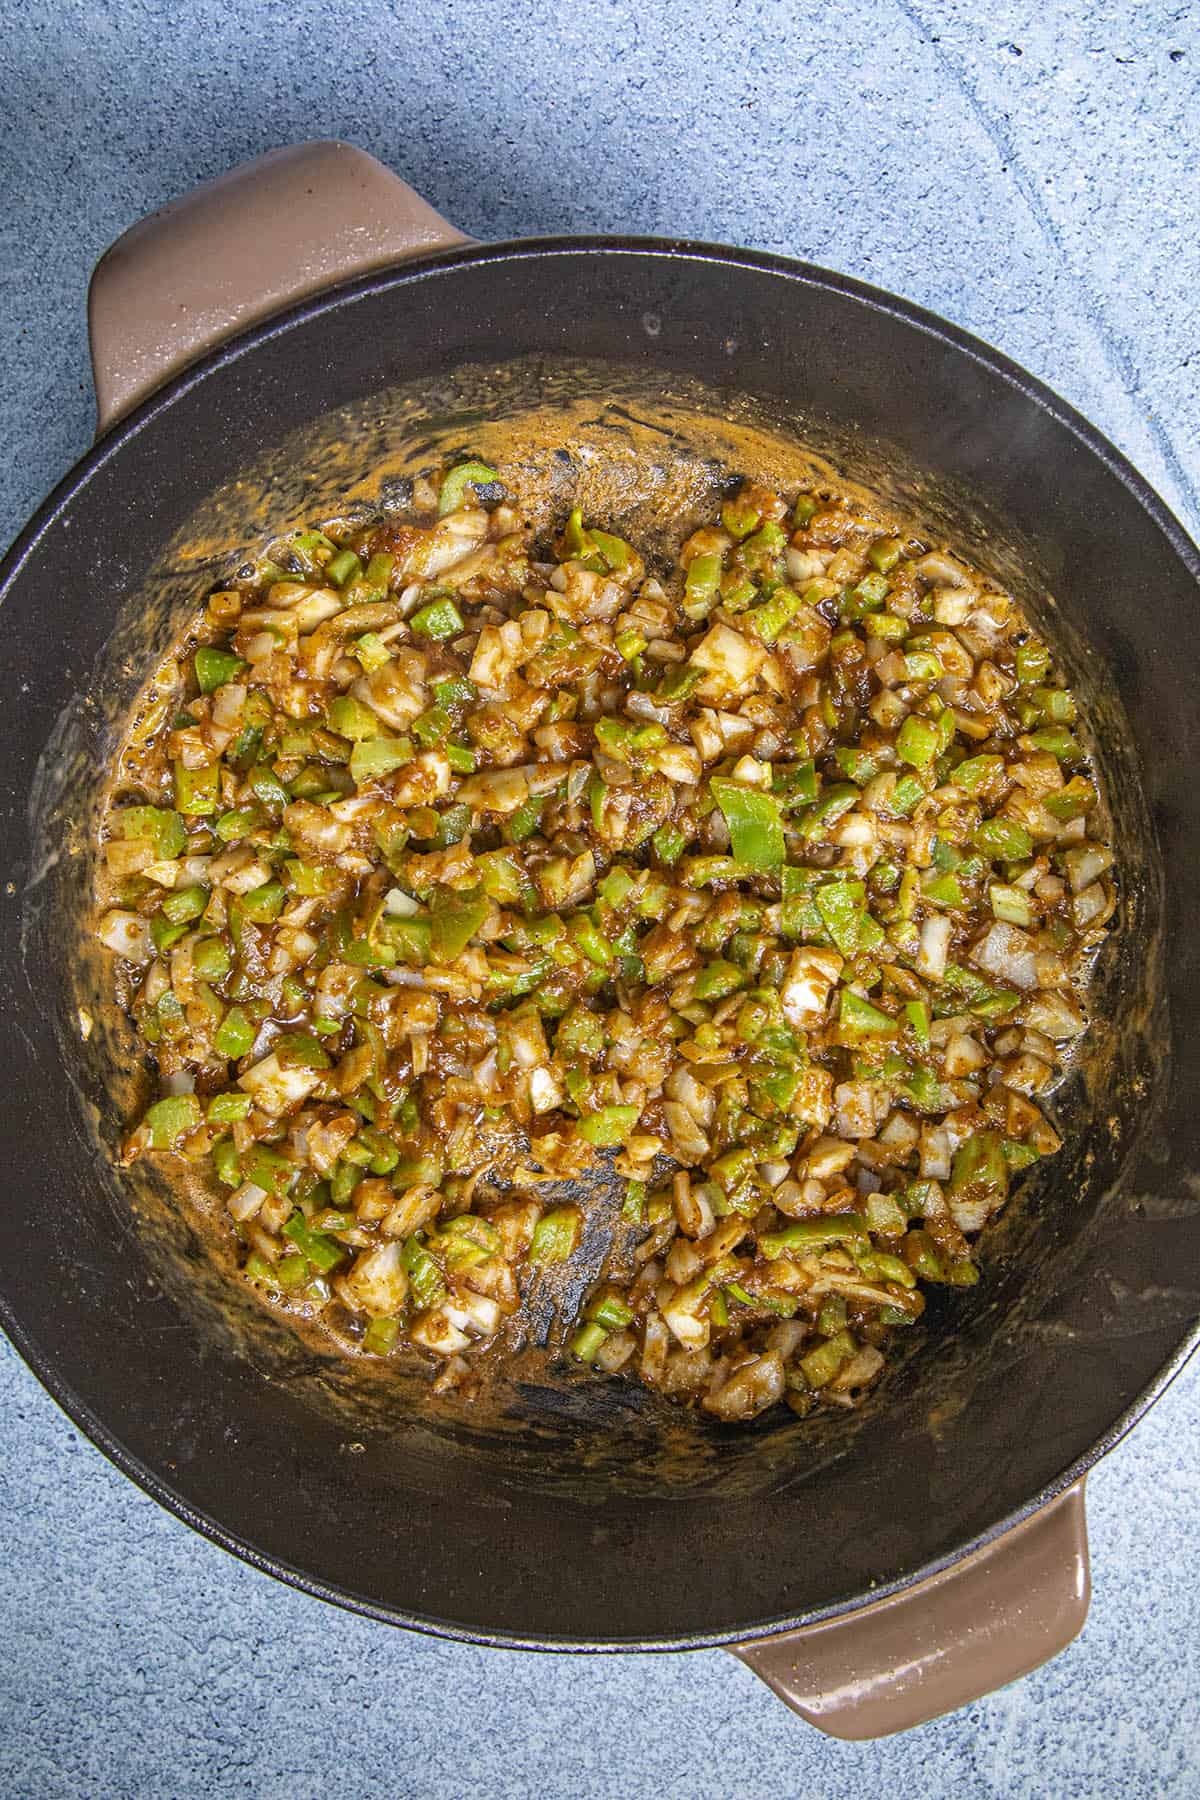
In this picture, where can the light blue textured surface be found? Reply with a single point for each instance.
(1033, 179)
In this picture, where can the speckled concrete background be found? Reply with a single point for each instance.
(1029, 171)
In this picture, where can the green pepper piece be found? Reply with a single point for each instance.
(580, 1033)
(372, 760)
(611, 1313)
(555, 1235)
(264, 904)
(761, 553)
(886, 1216)
(717, 979)
(798, 915)
(1059, 742)
(1003, 840)
(774, 614)
(678, 684)
(342, 1182)
(424, 1277)
(633, 1207)
(575, 541)
(440, 619)
(885, 553)
(807, 1235)
(866, 597)
(308, 879)
(371, 651)
(840, 905)
(223, 1109)
(351, 719)
(906, 795)
(591, 941)
(978, 995)
(922, 1256)
(269, 1169)
(323, 1252)
(917, 742)
(378, 571)
(525, 820)
(856, 1016)
(588, 1341)
(235, 1035)
(163, 827)
(943, 890)
(503, 878)
(409, 940)
(833, 805)
(196, 790)
(380, 1336)
(616, 886)
(1074, 801)
(171, 1119)
(795, 784)
(453, 826)
(1011, 904)
(454, 920)
(976, 772)
(215, 667)
(700, 587)
(267, 787)
(614, 550)
(979, 1170)
(453, 492)
(433, 726)
(755, 824)
(1033, 662)
(669, 843)
(917, 1014)
(343, 568)
(1057, 705)
(300, 1050)
(211, 959)
(609, 1126)
(163, 933)
(256, 1268)
(923, 665)
(225, 1163)
(740, 517)
(821, 1365)
(858, 765)
(366, 953)
(182, 905)
(234, 825)
(736, 1171)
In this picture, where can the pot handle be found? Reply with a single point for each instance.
(996, 1615)
(239, 248)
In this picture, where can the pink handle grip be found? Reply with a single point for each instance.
(239, 248)
(985, 1621)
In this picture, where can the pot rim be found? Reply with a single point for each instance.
(110, 445)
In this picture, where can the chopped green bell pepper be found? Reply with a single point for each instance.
(755, 824)
(453, 492)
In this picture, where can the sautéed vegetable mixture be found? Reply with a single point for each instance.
(445, 867)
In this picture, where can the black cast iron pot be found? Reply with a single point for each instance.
(573, 1514)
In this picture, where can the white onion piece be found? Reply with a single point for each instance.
(934, 949)
(128, 934)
